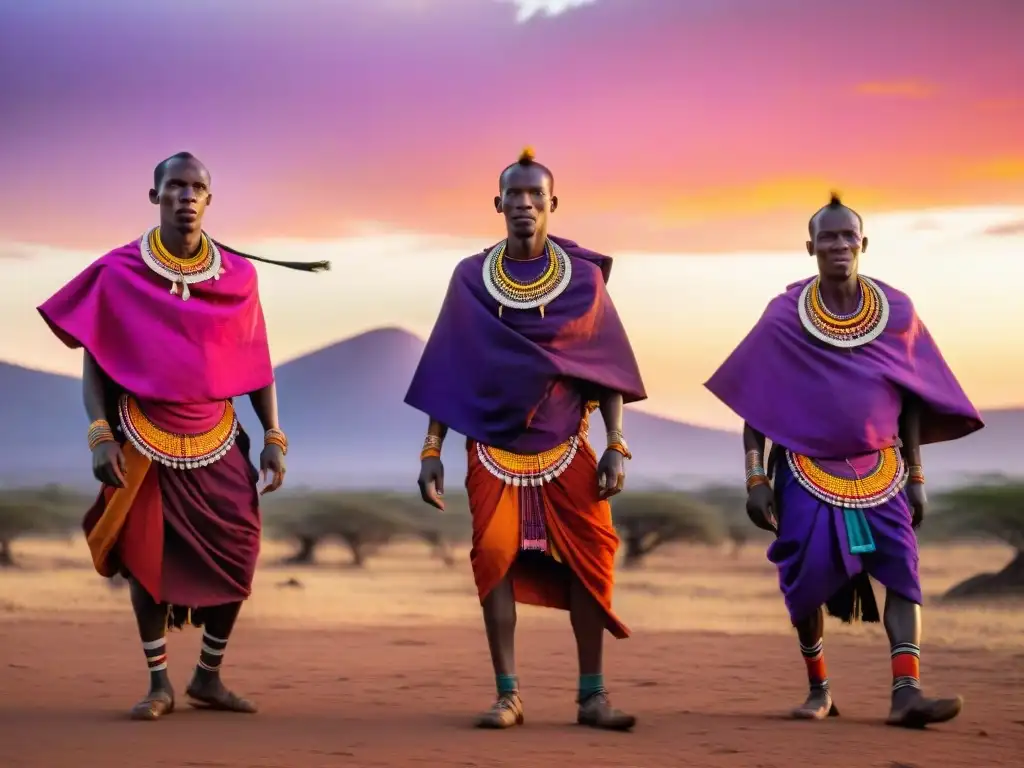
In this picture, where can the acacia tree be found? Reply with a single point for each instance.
(991, 510)
(365, 522)
(36, 512)
(646, 521)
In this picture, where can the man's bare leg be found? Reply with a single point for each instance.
(151, 618)
(588, 625)
(499, 609)
(206, 690)
(910, 707)
(811, 632)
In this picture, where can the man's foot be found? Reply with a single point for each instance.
(911, 709)
(208, 692)
(506, 712)
(156, 704)
(596, 711)
(818, 706)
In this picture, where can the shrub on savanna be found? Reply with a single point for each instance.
(364, 521)
(38, 512)
(731, 502)
(646, 520)
(985, 511)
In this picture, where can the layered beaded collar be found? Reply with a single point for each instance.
(844, 331)
(182, 273)
(537, 294)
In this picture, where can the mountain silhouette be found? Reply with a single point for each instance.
(342, 407)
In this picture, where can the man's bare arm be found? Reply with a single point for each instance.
(264, 402)
(94, 387)
(611, 405)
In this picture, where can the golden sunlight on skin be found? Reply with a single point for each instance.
(684, 313)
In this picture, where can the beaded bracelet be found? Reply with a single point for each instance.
(756, 479)
(431, 448)
(755, 474)
(916, 474)
(99, 433)
(614, 441)
(274, 436)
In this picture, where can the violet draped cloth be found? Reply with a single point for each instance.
(828, 403)
(191, 537)
(151, 343)
(519, 382)
(812, 553)
(838, 404)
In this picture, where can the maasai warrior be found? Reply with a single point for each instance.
(845, 380)
(526, 345)
(172, 330)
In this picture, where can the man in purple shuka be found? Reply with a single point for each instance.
(845, 380)
(526, 345)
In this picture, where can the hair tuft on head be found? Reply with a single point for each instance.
(834, 200)
(527, 156)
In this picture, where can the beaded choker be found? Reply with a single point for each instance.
(511, 293)
(181, 272)
(845, 331)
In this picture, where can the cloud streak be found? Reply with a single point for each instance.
(1008, 229)
(906, 89)
(528, 9)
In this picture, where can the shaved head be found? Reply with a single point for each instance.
(527, 159)
(834, 204)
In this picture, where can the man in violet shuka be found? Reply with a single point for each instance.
(527, 344)
(847, 383)
(172, 330)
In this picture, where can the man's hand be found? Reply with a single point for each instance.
(272, 465)
(611, 473)
(108, 464)
(761, 507)
(431, 482)
(918, 502)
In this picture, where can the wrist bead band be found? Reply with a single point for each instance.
(615, 441)
(99, 433)
(276, 437)
(620, 448)
(431, 447)
(757, 479)
(755, 473)
(916, 474)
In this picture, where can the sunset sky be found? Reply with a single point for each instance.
(689, 138)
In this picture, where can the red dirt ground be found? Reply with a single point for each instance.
(404, 697)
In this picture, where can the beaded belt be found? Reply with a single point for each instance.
(878, 485)
(528, 469)
(176, 450)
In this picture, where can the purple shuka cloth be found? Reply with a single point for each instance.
(812, 553)
(520, 381)
(837, 404)
(825, 402)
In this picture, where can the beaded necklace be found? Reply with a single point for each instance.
(511, 293)
(204, 265)
(860, 327)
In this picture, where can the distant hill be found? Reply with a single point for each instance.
(342, 407)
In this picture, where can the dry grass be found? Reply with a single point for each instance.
(680, 588)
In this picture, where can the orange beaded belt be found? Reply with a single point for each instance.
(528, 469)
(173, 450)
(878, 485)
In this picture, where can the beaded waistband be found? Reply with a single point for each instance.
(878, 485)
(177, 451)
(528, 469)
